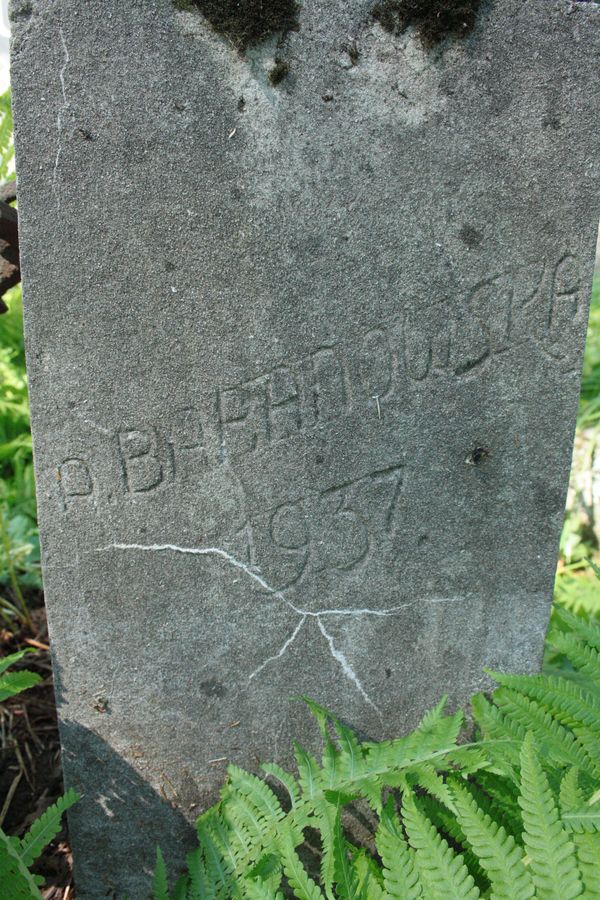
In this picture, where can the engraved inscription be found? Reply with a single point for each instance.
(74, 479)
(296, 401)
(334, 530)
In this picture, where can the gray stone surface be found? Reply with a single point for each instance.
(304, 371)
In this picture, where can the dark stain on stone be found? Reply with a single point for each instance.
(388, 673)
(213, 688)
(434, 20)
(246, 22)
(478, 456)
(279, 71)
(471, 237)
(552, 122)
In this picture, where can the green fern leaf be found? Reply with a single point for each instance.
(369, 878)
(256, 792)
(588, 856)
(426, 777)
(569, 702)
(447, 824)
(401, 878)
(309, 773)
(15, 878)
(200, 886)
(12, 683)
(160, 884)
(443, 873)
(13, 658)
(555, 741)
(344, 877)
(589, 632)
(584, 819)
(287, 780)
(46, 828)
(494, 727)
(182, 886)
(553, 859)
(219, 861)
(498, 797)
(584, 658)
(497, 852)
(300, 882)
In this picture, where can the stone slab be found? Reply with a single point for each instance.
(304, 364)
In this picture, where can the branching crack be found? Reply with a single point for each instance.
(303, 614)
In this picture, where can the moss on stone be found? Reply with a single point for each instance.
(279, 71)
(434, 20)
(246, 22)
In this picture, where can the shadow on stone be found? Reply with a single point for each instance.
(116, 800)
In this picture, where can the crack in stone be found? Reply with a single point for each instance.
(277, 656)
(65, 104)
(304, 614)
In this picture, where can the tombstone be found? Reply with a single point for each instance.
(305, 318)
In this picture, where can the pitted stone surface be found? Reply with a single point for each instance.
(304, 364)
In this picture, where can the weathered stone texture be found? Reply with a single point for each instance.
(304, 365)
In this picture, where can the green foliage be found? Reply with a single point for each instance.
(19, 548)
(19, 544)
(7, 150)
(17, 856)
(12, 683)
(513, 814)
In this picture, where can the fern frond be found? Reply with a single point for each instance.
(585, 819)
(554, 739)
(588, 855)
(200, 886)
(297, 876)
(46, 828)
(584, 658)
(309, 773)
(369, 877)
(219, 859)
(497, 852)
(15, 878)
(568, 701)
(182, 886)
(553, 859)
(498, 797)
(160, 884)
(258, 890)
(400, 874)
(495, 726)
(264, 879)
(286, 779)
(447, 823)
(425, 776)
(344, 875)
(587, 630)
(443, 873)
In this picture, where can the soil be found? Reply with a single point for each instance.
(30, 756)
